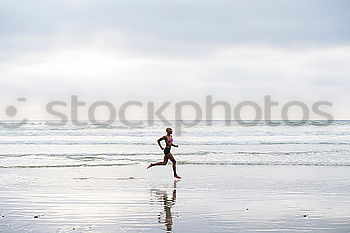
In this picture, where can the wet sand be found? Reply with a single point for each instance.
(211, 198)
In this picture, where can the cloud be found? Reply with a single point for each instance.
(208, 23)
(171, 50)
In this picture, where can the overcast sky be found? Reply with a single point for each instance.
(175, 50)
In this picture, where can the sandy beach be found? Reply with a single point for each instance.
(207, 199)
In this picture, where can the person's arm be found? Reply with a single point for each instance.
(174, 145)
(159, 140)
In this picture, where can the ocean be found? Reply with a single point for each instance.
(37, 145)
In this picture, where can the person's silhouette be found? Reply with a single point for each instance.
(167, 154)
(166, 216)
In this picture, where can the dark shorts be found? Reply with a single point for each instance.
(166, 151)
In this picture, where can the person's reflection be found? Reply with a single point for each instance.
(165, 216)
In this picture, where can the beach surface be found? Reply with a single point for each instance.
(209, 198)
(93, 178)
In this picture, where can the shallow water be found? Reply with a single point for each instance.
(209, 198)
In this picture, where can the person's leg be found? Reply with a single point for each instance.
(164, 162)
(171, 157)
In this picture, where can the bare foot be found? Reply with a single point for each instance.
(150, 165)
(178, 177)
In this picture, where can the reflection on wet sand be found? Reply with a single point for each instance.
(165, 216)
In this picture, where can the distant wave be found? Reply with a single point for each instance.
(328, 164)
(195, 153)
(266, 163)
(152, 143)
(68, 165)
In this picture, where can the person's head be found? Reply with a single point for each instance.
(169, 130)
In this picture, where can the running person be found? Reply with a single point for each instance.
(167, 155)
